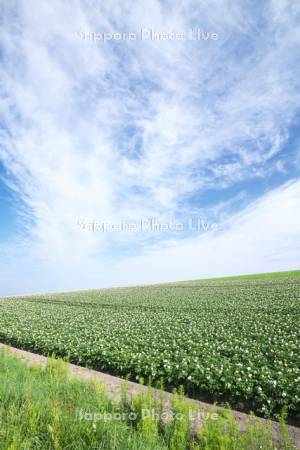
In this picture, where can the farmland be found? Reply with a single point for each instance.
(235, 340)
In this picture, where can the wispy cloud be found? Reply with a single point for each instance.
(131, 129)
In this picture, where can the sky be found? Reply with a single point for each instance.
(148, 142)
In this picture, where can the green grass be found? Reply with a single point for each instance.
(42, 408)
(257, 276)
(235, 341)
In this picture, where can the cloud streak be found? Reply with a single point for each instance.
(125, 130)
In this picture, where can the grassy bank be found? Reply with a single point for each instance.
(42, 408)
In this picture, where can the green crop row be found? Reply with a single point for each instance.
(224, 341)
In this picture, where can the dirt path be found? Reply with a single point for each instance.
(114, 389)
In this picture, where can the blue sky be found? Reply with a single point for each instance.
(120, 131)
(8, 216)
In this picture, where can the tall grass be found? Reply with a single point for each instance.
(42, 408)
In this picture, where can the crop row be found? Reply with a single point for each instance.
(235, 341)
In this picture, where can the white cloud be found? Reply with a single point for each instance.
(264, 237)
(128, 130)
